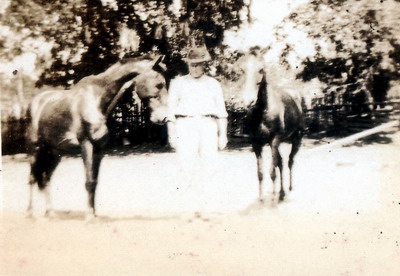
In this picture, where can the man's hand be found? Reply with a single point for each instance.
(222, 141)
(222, 130)
(171, 135)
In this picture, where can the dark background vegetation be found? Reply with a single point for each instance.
(356, 50)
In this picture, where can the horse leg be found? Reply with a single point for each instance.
(276, 162)
(35, 176)
(258, 151)
(296, 142)
(32, 181)
(91, 155)
(43, 164)
(53, 161)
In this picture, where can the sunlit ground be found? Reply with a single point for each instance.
(337, 180)
(341, 219)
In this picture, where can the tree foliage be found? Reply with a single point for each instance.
(88, 35)
(346, 42)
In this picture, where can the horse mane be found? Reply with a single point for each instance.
(158, 66)
(98, 78)
(262, 100)
(256, 113)
(135, 59)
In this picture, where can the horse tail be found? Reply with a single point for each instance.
(33, 115)
(30, 135)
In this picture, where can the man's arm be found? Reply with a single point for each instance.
(222, 118)
(173, 99)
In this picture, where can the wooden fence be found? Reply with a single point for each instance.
(130, 124)
(345, 119)
(336, 120)
(13, 133)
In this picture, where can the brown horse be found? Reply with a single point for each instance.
(62, 120)
(274, 116)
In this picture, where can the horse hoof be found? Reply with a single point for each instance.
(30, 215)
(90, 217)
(281, 196)
(200, 216)
(50, 214)
(189, 218)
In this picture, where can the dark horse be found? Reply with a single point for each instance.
(65, 119)
(274, 116)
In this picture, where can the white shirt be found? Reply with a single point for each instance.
(189, 96)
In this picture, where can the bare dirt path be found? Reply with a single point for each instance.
(341, 219)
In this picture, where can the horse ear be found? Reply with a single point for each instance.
(159, 65)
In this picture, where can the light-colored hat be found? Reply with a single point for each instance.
(197, 55)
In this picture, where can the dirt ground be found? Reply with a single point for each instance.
(341, 219)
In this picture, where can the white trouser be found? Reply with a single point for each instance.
(196, 145)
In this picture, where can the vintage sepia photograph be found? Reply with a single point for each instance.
(189, 137)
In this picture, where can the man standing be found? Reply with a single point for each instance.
(197, 116)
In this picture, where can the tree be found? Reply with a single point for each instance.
(342, 43)
(87, 36)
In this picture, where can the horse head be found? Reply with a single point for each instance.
(150, 86)
(254, 75)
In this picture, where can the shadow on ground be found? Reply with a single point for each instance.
(375, 139)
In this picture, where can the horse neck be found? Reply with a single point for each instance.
(113, 80)
(117, 75)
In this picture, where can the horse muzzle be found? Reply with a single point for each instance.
(159, 122)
